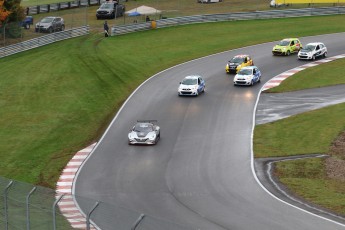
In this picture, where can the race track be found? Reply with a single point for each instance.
(200, 173)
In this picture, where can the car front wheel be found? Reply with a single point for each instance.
(50, 30)
(288, 53)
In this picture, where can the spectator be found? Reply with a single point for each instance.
(147, 18)
(106, 29)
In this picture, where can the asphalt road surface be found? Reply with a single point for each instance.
(275, 106)
(200, 174)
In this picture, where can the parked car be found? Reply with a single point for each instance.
(237, 62)
(29, 20)
(312, 51)
(191, 86)
(209, 1)
(287, 46)
(248, 75)
(110, 10)
(144, 132)
(50, 25)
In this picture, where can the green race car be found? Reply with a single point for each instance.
(287, 46)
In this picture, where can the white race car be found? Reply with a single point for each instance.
(248, 75)
(191, 86)
(144, 132)
(312, 51)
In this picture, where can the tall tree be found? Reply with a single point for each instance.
(16, 11)
(3, 12)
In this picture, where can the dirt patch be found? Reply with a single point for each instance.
(335, 165)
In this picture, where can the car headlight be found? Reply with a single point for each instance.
(284, 49)
(152, 136)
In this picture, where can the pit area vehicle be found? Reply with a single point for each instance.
(110, 9)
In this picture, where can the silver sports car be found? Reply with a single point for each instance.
(144, 132)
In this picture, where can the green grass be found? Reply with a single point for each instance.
(51, 109)
(307, 133)
(328, 74)
(307, 178)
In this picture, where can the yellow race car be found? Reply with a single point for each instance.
(238, 62)
(287, 46)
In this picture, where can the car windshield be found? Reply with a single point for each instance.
(245, 72)
(143, 127)
(284, 43)
(47, 20)
(189, 81)
(309, 47)
(106, 6)
(237, 60)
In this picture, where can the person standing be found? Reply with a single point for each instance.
(106, 29)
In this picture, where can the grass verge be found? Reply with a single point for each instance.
(308, 179)
(307, 133)
(51, 109)
(328, 74)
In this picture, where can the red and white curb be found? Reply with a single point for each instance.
(67, 205)
(275, 81)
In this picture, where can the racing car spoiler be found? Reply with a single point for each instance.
(148, 121)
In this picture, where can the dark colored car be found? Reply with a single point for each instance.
(29, 20)
(110, 10)
(50, 25)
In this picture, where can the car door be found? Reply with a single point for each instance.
(292, 46)
(201, 84)
(255, 75)
(318, 51)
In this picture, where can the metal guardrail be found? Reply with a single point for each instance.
(161, 23)
(43, 40)
(46, 8)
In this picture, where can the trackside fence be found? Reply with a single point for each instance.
(25, 206)
(43, 40)
(161, 23)
(46, 8)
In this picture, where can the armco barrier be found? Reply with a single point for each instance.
(61, 6)
(43, 40)
(161, 23)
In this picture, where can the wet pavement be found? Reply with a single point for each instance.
(275, 106)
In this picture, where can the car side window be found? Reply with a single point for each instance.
(254, 71)
(317, 47)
